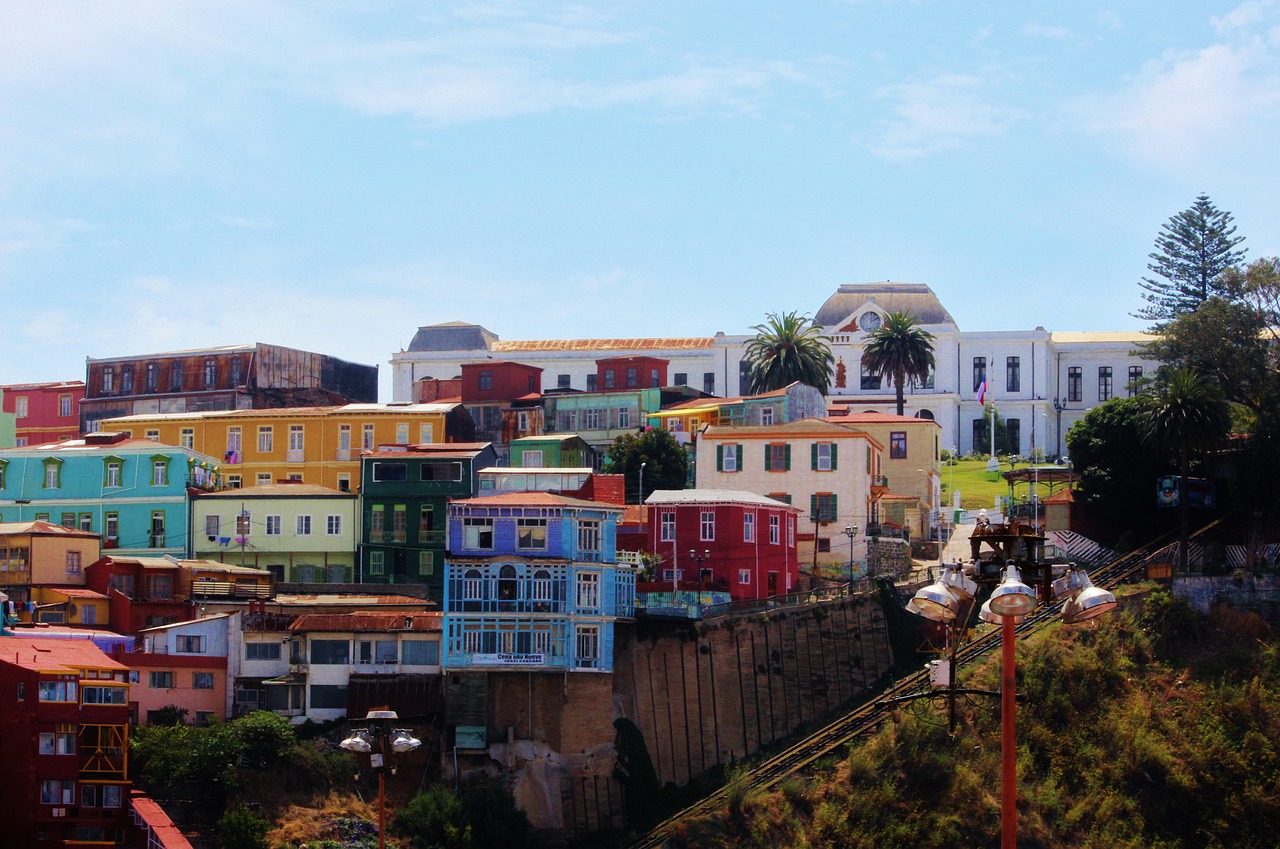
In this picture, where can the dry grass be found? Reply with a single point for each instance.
(298, 824)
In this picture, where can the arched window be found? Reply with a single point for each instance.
(925, 414)
(472, 585)
(541, 585)
(507, 583)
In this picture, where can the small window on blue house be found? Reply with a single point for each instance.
(531, 534)
(477, 533)
(52, 473)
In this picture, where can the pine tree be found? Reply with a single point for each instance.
(1192, 251)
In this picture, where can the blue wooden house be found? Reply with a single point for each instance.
(134, 493)
(532, 582)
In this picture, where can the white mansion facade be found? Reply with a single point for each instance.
(1041, 382)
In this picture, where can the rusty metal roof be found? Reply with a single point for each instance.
(370, 621)
(56, 656)
(655, 344)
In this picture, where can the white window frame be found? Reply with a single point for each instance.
(667, 526)
(296, 438)
(824, 456)
(775, 530)
(707, 525)
(748, 527)
(266, 439)
(333, 525)
(274, 525)
(587, 590)
(744, 576)
(302, 525)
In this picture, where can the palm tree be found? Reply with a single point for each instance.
(1186, 414)
(899, 349)
(787, 348)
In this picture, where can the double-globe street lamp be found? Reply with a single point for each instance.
(378, 741)
(851, 531)
(1011, 601)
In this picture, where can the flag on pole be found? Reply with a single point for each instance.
(982, 391)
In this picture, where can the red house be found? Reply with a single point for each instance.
(142, 591)
(64, 731)
(726, 540)
(46, 412)
(630, 373)
(497, 381)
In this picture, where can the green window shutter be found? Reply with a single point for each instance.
(788, 457)
(813, 456)
(768, 457)
(719, 458)
(738, 449)
(813, 508)
(833, 456)
(834, 507)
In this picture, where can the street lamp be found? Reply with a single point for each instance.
(698, 560)
(375, 741)
(851, 531)
(1010, 602)
(640, 498)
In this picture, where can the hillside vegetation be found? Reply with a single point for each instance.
(1151, 729)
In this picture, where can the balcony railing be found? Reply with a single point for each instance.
(295, 455)
(229, 589)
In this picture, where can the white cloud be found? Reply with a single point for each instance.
(1037, 30)
(942, 113)
(1243, 16)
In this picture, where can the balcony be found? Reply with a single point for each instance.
(295, 455)
(342, 455)
(229, 589)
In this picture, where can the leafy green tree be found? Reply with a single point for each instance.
(1117, 471)
(666, 463)
(263, 738)
(787, 349)
(900, 349)
(1193, 250)
(1186, 414)
(241, 828)
(167, 715)
(434, 820)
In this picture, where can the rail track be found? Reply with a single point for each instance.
(864, 718)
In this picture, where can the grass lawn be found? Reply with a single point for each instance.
(978, 487)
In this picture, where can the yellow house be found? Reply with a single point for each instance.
(911, 465)
(38, 553)
(316, 445)
(69, 606)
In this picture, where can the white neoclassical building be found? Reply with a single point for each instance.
(1041, 381)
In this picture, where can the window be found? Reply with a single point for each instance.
(68, 520)
(112, 795)
(58, 691)
(609, 379)
(303, 526)
(153, 377)
(210, 372)
(486, 380)
(979, 372)
(979, 431)
(472, 585)
(160, 471)
(330, 652)
(377, 652)
(766, 415)
(376, 562)
(531, 534)
(237, 371)
(773, 530)
(159, 680)
(748, 527)
(1012, 374)
(1104, 383)
(64, 406)
(588, 646)
(57, 791)
(86, 521)
(707, 525)
(175, 377)
(244, 523)
(399, 522)
(60, 742)
(744, 576)
(20, 407)
(420, 652)
(1073, 383)
(390, 471)
(157, 529)
(262, 651)
(667, 526)
(111, 525)
(262, 478)
(1013, 433)
(202, 680)
(531, 459)
(113, 473)
(562, 381)
(868, 379)
(426, 562)
(591, 383)
(441, 472)
(367, 441)
(126, 379)
(624, 417)
(591, 420)
(153, 435)
(52, 474)
(1135, 380)
(190, 643)
(402, 433)
(295, 437)
(477, 533)
(426, 433)
(728, 458)
(344, 483)
(333, 525)
(266, 439)
(73, 563)
(777, 457)
(898, 445)
(273, 526)
(212, 526)
(822, 507)
(588, 590)
(633, 378)
(682, 378)
(824, 457)
(588, 537)
(709, 382)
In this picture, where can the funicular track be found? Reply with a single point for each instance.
(865, 718)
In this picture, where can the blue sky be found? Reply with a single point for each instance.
(332, 175)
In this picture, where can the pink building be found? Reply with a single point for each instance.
(181, 665)
(46, 412)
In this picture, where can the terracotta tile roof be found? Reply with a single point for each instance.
(603, 344)
(58, 656)
(803, 427)
(875, 417)
(369, 621)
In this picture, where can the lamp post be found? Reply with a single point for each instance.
(851, 531)
(377, 741)
(698, 560)
(640, 498)
(1010, 602)
(1059, 404)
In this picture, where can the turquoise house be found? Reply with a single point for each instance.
(8, 426)
(134, 493)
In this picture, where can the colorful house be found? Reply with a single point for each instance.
(533, 582)
(39, 553)
(831, 472)
(554, 450)
(64, 723)
(723, 540)
(229, 377)
(147, 591)
(601, 416)
(299, 532)
(504, 399)
(182, 665)
(43, 412)
(8, 426)
(404, 496)
(911, 463)
(132, 492)
(317, 445)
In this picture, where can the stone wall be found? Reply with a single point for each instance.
(1257, 593)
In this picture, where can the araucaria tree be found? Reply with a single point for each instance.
(1186, 414)
(900, 349)
(787, 349)
(1192, 251)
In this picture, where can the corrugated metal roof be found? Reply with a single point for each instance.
(786, 429)
(57, 656)
(344, 599)
(713, 496)
(1108, 336)
(603, 344)
(77, 592)
(30, 387)
(39, 527)
(888, 297)
(273, 490)
(364, 620)
(536, 499)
